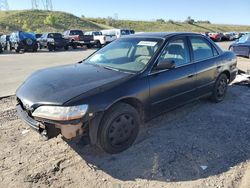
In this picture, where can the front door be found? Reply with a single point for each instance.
(175, 86)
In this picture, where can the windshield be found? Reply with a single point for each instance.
(125, 32)
(245, 38)
(55, 35)
(126, 54)
(97, 33)
(25, 35)
(76, 32)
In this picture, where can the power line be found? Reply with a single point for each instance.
(4, 5)
(42, 4)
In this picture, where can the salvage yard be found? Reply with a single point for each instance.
(201, 144)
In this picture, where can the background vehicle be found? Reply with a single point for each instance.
(109, 95)
(38, 35)
(22, 41)
(117, 32)
(1, 48)
(242, 46)
(100, 39)
(4, 40)
(53, 41)
(77, 38)
(215, 36)
(228, 36)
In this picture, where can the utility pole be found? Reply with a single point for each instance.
(46, 4)
(4, 5)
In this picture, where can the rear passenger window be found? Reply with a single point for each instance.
(201, 48)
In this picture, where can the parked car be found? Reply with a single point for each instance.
(117, 32)
(77, 38)
(22, 41)
(53, 41)
(109, 95)
(215, 36)
(100, 39)
(4, 40)
(228, 36)
(1, 48)
(242, 46)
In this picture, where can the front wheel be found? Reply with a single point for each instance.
(119, 128)
(220, 89)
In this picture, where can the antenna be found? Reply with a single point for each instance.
(4, 5)
(46, 4)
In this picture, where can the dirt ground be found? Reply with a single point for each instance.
(201, 144)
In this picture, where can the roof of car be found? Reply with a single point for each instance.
(161, 34)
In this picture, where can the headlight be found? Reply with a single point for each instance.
(60, 113)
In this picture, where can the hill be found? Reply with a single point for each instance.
(46, 21)
(154, 26)
(43, 21)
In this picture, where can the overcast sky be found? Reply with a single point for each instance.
(216, 11)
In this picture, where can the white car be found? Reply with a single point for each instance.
(100, 39)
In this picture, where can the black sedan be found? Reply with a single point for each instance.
(135, 78)
(242, 46)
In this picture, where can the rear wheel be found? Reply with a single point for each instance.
(74, 45)
(66, 47)
(119, 128)
(89, 46)
(220, 89)
(98, 44)
(50, 47)
(9, 48)
(17, 48)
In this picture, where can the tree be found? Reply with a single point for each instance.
(26, 26)
(189, 20)
(50, 20)
(160, 20)
(171, 21)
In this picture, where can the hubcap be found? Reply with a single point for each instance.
(221, 89)
(121, 130)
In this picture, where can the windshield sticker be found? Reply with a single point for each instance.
(146, 43)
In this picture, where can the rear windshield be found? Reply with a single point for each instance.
(76, 32)
(125, 32)
(55, 35)
(25, 35)
(96, 33)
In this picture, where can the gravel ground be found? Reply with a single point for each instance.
(201, 144)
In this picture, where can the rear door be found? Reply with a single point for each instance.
(205, 56)
(173, 87)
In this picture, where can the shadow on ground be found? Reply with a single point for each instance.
(177, 145)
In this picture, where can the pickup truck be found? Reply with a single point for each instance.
(77, 38)
(53, 41)
(101, 39)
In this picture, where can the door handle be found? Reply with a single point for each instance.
(191, 76)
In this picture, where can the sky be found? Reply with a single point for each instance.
(216, 11)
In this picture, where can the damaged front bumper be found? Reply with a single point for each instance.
(51, 129)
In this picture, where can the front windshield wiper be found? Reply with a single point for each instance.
(111, 68)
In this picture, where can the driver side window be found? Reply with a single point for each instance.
(177, 51)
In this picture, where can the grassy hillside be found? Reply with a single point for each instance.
(170, 26)
(43, 21)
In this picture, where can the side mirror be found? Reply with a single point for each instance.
(165, 64)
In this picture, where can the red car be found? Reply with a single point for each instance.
(215, 36)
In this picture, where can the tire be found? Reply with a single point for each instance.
(35, 49)
(220, 89)
(9, 48)
(119, 128)
(17, 48)
(74, 46)
(89, 46)
(98, 44)
(50, 47)
(66, 48)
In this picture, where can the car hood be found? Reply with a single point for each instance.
(58, 85)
